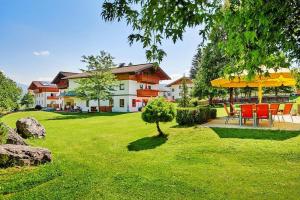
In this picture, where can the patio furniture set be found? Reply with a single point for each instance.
(258, 112)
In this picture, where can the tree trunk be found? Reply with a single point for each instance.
(210, 100)
(99, 105)
(160, 133)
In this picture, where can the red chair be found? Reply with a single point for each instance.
(230, 115)
(274, 107)
(263, 112)
(286, 110)
(247, 113)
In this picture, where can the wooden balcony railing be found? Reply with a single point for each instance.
(147, 93)
(147, 78)
(52, 97)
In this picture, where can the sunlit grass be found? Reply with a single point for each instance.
(117, 156)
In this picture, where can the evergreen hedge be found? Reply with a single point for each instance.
(197, 115)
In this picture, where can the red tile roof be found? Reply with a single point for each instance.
(41, 84)
(61, 75)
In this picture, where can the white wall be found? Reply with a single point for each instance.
(175, 91)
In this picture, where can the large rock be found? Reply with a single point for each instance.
(10, 136)
(20, 155)
(30, 127)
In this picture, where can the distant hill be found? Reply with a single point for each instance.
(24, 88)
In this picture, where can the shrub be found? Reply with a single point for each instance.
(3, 133)
(198, 115)
(213, 113)
(38, 107)
(159, 110)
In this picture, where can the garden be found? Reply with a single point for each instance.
(118, 156)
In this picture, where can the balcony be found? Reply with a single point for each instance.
(147, 93)
(52, 97)
(147, 78)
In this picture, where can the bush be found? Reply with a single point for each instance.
(38, 107)
(213, 113)
(3, 133)
(198, 115)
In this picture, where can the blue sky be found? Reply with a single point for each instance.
(40, 38)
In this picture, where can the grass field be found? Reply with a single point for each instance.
(117, 156)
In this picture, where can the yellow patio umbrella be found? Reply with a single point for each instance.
(274, 79)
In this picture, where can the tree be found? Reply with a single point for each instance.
(211, 64)
(100, 80)
(9, 92)
(27, 100)
(262, 32)
(159, 110)
(196, 62)
(185, 99)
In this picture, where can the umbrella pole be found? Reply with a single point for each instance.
(260, 93)
(231, 98)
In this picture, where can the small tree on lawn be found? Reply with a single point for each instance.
(27, 100)
(100, 80)
(159, 110)
(185, 99)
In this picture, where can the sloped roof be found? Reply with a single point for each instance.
(41, 84)
(61, 75)
(178, 81)
(125, 69)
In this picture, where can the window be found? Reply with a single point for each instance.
(149, 87)
(87, 103)
(173, 90)
(180, 94)
(122, 103)
(134, 103)
(173, 97)
(122, 87)
(179, 86)
(141, 86)
(111, 102)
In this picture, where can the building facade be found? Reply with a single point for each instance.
(176, 88)
(45, 94)
(135, 86)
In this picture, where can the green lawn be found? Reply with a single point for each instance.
(117, 156)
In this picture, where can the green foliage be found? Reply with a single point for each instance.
(152, 21)
(27, 100)
(198, 115)
(3, 133)
(100, 80)
(257, 32)
(159, 110)
(9, 94)
(211, 64)
(185, 99)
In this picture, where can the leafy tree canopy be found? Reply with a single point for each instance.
(159, 110)
(260, 32)
(27, 100)
(98, 85)
(9, 92)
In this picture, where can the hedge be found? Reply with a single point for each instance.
(198, 115)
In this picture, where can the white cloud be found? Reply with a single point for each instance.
(41, 53)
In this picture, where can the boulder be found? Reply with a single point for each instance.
(10, 136)
(20, 155)
(30, 127)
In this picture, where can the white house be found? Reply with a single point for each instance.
(136, 85)
(176, 87)
(45, 94)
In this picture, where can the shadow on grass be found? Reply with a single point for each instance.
(255, 134)
(70, 115)
(182, 126)
(147, 143)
